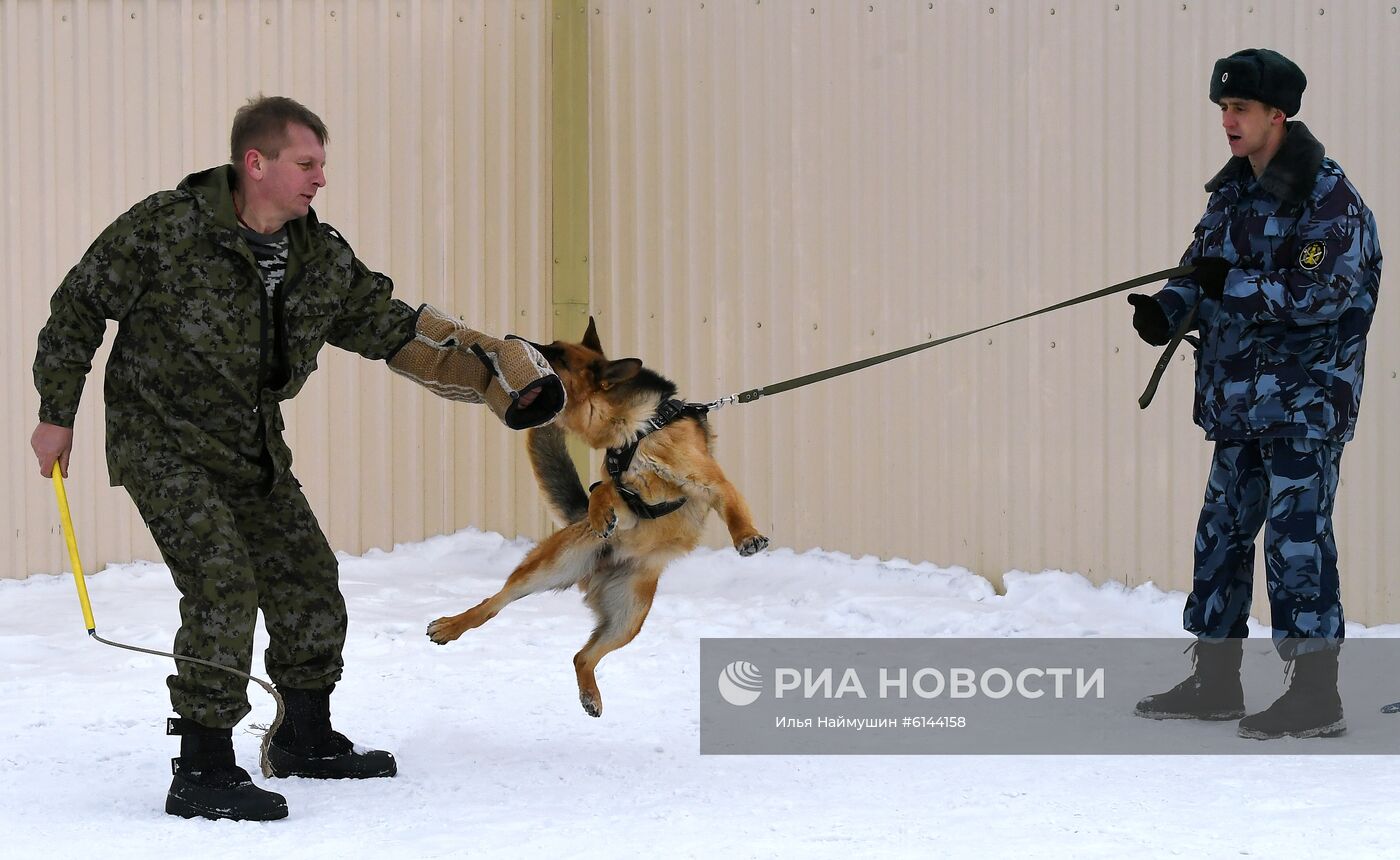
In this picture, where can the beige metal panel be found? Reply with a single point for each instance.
(438, 175)
(778, 187)
(1348, 54)
(453, 92)
(782, 186)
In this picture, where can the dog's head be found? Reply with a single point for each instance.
(605, 396)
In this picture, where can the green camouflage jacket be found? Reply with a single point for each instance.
(183, 383)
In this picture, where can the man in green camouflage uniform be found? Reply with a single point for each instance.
(225, 290)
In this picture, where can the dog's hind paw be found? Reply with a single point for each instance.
(591, 705)
(751, 545)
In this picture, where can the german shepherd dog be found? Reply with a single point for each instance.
(608, 546)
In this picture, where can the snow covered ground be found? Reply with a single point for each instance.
(497, 759)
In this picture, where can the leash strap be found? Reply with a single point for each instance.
(1177, 336)
(798, 382)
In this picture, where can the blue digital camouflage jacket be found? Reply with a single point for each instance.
(1282, 353)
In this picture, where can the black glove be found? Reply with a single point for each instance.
(1150, 320)
(1210, 274)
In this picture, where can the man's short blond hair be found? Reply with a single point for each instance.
(261, 124)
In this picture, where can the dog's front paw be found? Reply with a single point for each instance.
(751, 544)
(444, 630)
(603, 526)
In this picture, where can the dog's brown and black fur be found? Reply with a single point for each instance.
(614, 556)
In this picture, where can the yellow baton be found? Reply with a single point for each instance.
(72, 542)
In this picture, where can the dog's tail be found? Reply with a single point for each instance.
(554, 470)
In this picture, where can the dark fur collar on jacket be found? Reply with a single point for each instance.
(1290, 174)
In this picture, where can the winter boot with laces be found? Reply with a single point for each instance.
(306, 745)
(209, 784)
(1213, 691)
(1309, 708)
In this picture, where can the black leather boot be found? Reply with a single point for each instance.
(1213, 691)
(1309, 708)
(209, 784)
(306, 745)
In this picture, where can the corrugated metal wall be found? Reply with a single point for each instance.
(784, 186)
(438, 175)
(776, 187)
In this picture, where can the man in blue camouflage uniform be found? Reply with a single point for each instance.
(1287, 268)
(225, 290)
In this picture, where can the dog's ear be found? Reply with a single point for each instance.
(618, 371)
(590, 337)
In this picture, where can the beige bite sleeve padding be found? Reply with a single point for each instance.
(433, 360)
(459, 363)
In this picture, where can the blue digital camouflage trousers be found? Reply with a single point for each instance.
(1287, 485)
(233, 551)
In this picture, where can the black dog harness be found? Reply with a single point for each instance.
(618, 460)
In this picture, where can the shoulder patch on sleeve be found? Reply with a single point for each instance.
(1312, 255)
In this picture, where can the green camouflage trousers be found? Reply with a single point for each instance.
(233, 551)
